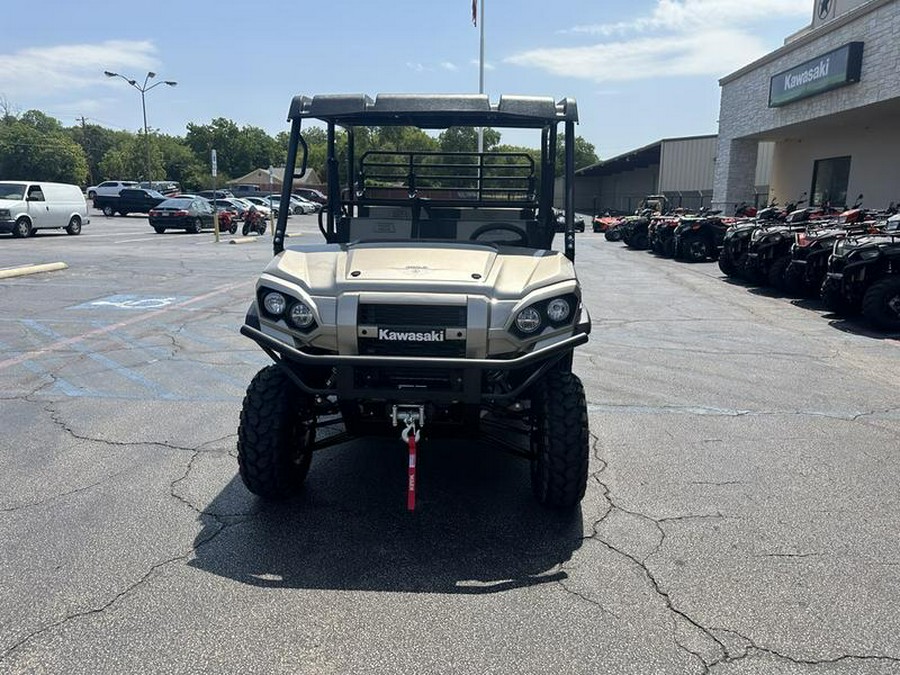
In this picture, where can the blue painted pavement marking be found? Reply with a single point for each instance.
(132, 302)
(116, 367)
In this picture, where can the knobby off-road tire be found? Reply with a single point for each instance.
(275, 435)
(695, 249)
(777, 271)
(833, 298)
(727, 264)
(559, 441)
(795, 280)
(881, 303)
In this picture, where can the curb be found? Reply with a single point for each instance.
(32, 269)
(242, 240)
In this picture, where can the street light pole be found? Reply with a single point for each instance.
(143, 89)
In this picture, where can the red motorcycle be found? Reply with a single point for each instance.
(254, 221)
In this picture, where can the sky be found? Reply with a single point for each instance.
(641, 70)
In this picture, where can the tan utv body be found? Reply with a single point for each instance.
(435, 300)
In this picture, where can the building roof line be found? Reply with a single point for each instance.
(807, 38)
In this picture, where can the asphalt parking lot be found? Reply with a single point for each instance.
(742, 517)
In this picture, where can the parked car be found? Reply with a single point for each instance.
(166, 187)
(298, 206)
(181, 213)
(268, 202)
(28, 206)
(129, 200)
(110, 188)
(231, 205)
(215, 194)
(264, 210)
(559, 217)
(311, 195)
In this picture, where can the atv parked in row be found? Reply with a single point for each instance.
(700, 238)
(864, 274)
(635, 229)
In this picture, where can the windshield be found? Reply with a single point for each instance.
(14, 191)
(179, 203)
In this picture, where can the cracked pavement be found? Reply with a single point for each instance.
(742, 514)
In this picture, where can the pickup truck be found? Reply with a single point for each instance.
(130, 200)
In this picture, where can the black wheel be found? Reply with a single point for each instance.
(92, 195)
(245, 230)
(795, 280)
(559, 441)
(123, 213)
(23, 228)
(727, 265)
(668, 248)
(833, 297)
(74, 226)
(613, 235)
(639, 242)
(233, 228)
(109, 211)
(776, 273)
(275, 435)
(196, 226)
(159, 229)
(695, 249)
(881, 303)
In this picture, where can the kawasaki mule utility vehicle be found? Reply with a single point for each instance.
(435, 305)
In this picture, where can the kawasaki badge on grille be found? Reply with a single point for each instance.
(389, 335)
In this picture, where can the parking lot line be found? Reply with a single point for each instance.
(66, 342)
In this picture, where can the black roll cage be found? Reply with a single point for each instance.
(429, 111)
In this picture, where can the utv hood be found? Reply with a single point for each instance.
(470, 268)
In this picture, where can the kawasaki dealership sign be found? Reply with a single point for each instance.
(832, 70)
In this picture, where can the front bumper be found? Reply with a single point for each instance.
(418, 379)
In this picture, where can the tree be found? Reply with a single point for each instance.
(465, 139)
(239, 150)
(585, 155)
(36, 147)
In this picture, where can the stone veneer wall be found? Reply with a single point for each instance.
(744, 110)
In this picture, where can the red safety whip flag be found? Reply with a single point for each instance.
(474, 12)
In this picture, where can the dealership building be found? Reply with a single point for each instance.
(828, 102)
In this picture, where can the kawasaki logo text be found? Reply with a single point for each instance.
(398, 336)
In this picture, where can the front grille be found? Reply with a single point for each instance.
(448, 348)
(418, 316)
(400, 379)
(412, 318)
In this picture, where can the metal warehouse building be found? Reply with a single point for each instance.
(682, 169)
(829, 100)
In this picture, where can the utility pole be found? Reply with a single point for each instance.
(87, 149)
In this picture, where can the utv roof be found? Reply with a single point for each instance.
(434, 111)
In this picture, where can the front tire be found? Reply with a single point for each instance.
(109, 211)
(23, 228)
(74, 226)
(777, 272)
(559, 440)
(197, 226)
(275, 435)
(881, 303)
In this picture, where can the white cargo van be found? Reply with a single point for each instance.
(26, 206)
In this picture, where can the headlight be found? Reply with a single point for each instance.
(558, 310)
(274, 303)
(528, 320)
(300, 315)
